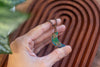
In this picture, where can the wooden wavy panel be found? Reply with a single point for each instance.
(82, 20)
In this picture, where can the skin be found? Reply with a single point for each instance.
(26, 47)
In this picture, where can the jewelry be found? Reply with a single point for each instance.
(55, 40)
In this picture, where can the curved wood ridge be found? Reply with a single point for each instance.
(82, 20)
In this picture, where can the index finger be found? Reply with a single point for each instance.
(39, 30)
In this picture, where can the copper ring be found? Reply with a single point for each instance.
(54, 25)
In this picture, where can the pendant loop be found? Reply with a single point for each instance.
(54, 25)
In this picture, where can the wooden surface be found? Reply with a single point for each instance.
(96, 62)
(1, 57)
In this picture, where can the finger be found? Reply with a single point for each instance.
(31, 45)
(39, 30)
(43, 44)
(46, 35)
(31, 53)
(57, 55)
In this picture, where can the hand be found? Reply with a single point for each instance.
(25, 47)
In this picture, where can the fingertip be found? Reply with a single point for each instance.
(63, 27)
(68, 49)
(64, 51)
(58, 54)
(58, 20)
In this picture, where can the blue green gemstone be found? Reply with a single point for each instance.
(55, 40)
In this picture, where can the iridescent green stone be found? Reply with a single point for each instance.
(55, 40)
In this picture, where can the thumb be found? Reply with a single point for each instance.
(57, 54)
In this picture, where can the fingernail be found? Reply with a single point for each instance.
(58, 20)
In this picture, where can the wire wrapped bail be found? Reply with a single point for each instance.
(54, 25)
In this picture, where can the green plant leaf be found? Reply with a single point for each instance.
(4, 47)
(9, 21)
(12, 2)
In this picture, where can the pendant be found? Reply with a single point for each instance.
(55, 40)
